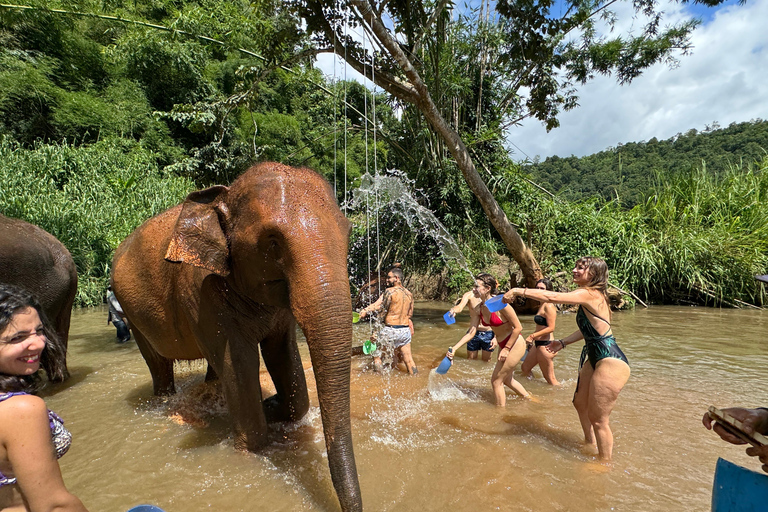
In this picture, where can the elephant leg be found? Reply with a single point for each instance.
(160, 368)
(281, 355)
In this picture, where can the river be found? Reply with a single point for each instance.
(424, 443)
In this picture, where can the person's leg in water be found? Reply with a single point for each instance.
(547, 364)
(503, 374)
(405, 354)
(487, 355)
(531, 360)
(608, 379)
(581, 403)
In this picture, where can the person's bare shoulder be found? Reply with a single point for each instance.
(22, 405)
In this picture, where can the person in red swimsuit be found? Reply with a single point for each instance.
(507, 328)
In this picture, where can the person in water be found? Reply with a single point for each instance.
(506, 328)
(32, 438)
(607, 369)
(538, 342)
(483, 338)
(395, 305)
(753, 420)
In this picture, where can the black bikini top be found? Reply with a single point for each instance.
(540, 320)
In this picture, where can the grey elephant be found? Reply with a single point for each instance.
(232, 270)
(33, 259)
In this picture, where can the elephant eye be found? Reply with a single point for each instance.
(274, 250)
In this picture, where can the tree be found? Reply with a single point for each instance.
(537, 55)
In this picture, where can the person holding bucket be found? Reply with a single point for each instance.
(482, 338)
(501, 318)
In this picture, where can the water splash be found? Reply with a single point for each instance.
(442, 389)
(394, 190)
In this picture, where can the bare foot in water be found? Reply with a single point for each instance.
(589, 449)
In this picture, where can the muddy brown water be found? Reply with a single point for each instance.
(425, 443)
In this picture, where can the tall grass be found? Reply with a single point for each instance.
(89, 197)
(699, 237)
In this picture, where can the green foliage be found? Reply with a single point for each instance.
(698, 237)
(89, 197)
(627, 171)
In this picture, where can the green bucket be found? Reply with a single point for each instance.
(369, 347)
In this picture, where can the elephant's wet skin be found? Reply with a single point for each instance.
(234, 269)
(36, 261)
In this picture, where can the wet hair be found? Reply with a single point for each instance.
(547, 283)
(489, 281)
(598, 274)
(398, 272)
(13, 300)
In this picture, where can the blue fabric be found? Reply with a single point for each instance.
(481, 340)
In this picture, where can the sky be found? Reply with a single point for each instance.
(724, 79)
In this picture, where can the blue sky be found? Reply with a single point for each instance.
(724, 79)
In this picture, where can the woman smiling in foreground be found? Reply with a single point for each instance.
(31, 437)
(602, 379)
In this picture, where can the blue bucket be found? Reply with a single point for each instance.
(449, 319)
(495, 304)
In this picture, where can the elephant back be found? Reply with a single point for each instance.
(34, 259)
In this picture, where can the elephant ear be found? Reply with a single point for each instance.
(198, 237)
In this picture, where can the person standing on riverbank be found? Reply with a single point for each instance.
(540, 339)
(600, 381)
(483, 337)
(507, 328)
(395, 305)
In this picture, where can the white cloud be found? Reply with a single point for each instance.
(724, 80)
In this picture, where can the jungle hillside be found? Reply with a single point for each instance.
(111, 112)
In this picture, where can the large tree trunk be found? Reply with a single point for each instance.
(419, 96)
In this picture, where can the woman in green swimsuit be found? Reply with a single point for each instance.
(602, 379)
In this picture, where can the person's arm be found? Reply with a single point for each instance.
(509, 313)
(26, 435)
(465, 339)
(558, 345)
(376, 306)
(458, 308)
(580, 296)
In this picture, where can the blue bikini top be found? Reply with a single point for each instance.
(62, 439)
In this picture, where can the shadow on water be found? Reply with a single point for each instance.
(77, 374)
(520, 426)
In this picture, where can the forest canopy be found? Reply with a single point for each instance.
(116, 115)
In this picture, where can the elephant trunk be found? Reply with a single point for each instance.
(323, 311)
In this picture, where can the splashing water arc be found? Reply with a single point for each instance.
(396, 190)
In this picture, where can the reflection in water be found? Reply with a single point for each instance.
(429, 442)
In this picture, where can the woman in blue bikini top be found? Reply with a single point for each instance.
(594, 398)
(32, 438)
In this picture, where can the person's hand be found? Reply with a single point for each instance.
(529, 339)
(555, 346)
(363, 313)
(504, 353)
(494, 343)
(509, 297)
(453, 311)
(761, 453)
(449, 354)
(753, 420)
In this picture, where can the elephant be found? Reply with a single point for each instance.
(33, 259)
(235, 268)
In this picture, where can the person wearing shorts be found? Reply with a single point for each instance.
(483, 339)
(395, 305)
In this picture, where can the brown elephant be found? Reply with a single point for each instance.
(234, 268)
(34, 259)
